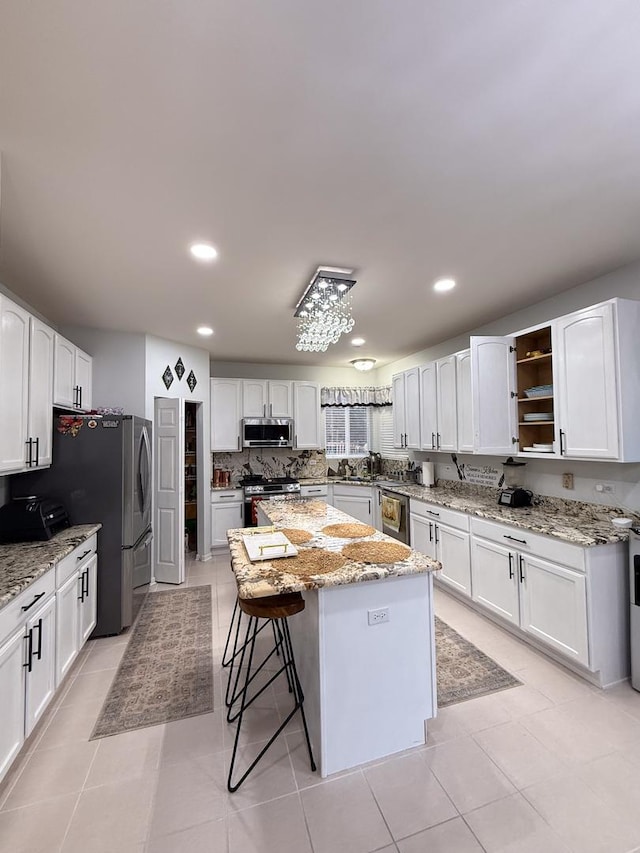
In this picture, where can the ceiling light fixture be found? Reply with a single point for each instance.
(324, 309)
(203, 251)
(444, 284)
(358, 342)
(205, 331)
(363, 363)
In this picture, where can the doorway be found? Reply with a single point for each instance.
(191, 477)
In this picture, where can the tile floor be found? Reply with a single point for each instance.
(551, 766)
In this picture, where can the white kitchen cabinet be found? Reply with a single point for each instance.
(72, 376)
(67, 625)
(446, 386)
(321, 492)
(14, 385)
(267, 398)
(495, 584)
(41, 663)
(421, 535)
(227, 513)
(493, 384)
(445, 542)
(406, 409)
(307, 416)
(226, 403)
(40, 418)
(12, 678)
(463, 401)
(88, 600)
(356, 501)
(428, 407)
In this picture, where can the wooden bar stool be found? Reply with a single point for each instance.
(274, 610)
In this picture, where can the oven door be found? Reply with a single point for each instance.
(395, 516)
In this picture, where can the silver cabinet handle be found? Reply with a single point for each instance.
(29, 443)
(562, 447)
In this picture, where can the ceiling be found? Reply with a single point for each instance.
(495, 142)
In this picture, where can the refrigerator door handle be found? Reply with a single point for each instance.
(145, 484)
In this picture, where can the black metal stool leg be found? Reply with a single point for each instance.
(299, 696)
(238, 612)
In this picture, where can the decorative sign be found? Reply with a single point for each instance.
(179, 368)
(481, 475)
(167, 378)
(191, 381)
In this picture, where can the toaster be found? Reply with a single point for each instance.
(32, 519)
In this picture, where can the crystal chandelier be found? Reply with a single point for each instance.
(324, 310)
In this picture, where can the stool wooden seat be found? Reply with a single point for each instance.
(273, 606)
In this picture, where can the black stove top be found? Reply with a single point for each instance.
(259, 480)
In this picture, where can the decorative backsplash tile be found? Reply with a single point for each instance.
(273, 462)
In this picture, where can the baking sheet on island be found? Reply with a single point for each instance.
(268, 546)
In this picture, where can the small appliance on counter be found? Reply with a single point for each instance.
(32, 519)
(514, 494)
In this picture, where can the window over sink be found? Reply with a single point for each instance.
(347, 431)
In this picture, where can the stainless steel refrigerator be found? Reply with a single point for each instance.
(101, 472)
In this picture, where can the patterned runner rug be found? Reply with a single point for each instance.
(167, 669)
(463, 671)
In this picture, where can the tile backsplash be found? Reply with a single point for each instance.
(272, 462)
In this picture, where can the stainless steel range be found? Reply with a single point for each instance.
(258, 489)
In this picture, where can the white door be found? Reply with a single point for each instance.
(169, 490)
(447, 423)
(399, 427)
(225, 517)
(280, 399)
(463, 398)
(412, 408)
(254, 398)
(422, 535)
(493, 386)
(454, 554)
(307, 416)
(64, 373)
(84, 380)
(88, 604)
(494, 581)
(226, 413)
(585, 365)
(12, 675)
(14, 384)
(428, 407)
(554, 606)
(40, 427)
(41, 674)
(357, 507)
(67, 612)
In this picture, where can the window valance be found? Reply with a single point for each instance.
(364, 396)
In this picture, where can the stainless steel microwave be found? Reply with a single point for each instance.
(267, 432)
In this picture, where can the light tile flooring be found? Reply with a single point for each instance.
(553, 765)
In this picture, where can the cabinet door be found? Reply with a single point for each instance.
(41, 680)
(399, 427)
(447, 422)
(493, 385)
(225, 414)
(67, 612)
(64, 373)
(494, 581)
(41, 390)
(422, 536)
(554, 606)
(254, 398)
(412, 408)
(428, 407)
(84, 380)
(453, 552)
(14, 383)
(463, 398)
(355, 506)
(89, 602)
(225, 517)
(307, 416)
(280, 399)
(12, 674)
(585, 359)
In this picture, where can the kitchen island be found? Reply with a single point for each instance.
(365, 642)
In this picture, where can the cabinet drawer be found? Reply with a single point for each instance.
(225, 496)
(351, 491)
(314, 491)
(433, 512)
(12, 616)
(75, 560)
(530, 543)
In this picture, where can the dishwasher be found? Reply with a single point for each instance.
(395, 524)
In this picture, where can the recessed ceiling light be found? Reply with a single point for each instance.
(363, 363)
(444, 284)
(203, 251)
(358, 342)
(205, 331)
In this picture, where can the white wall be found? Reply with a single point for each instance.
(327, 376)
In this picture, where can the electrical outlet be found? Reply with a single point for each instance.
(605, 488)
(567, 481)
(376, 617)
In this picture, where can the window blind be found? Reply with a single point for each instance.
(383, 435)
(347, 431)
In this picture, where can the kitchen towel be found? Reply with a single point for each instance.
(391, 510)
(428, 474)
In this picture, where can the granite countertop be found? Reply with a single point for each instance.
(22, 563)
(256, 580)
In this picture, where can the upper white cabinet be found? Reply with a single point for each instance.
(438, 405)
(72, 376)
(226, 414)
(463, 398)
(492, 390)
(40, 419)
(267, 398)
(406, 409)
(307, 416)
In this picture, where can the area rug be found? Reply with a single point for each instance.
(166, 672)
(463, 671)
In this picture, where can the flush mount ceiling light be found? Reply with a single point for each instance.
(205, 331)
(324, 309)
(203, 251)
(442, 285)
(363, 363)
(357, 342)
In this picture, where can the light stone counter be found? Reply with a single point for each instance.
(22, 563)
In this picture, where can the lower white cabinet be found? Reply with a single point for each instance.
(443, 542)
(67, 631)
(40, 663)
(88, 599)
(12, 678)
(227, 513)
(356, 501)
(494, 582)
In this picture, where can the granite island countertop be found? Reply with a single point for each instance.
(22, 563)
(256, 580)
